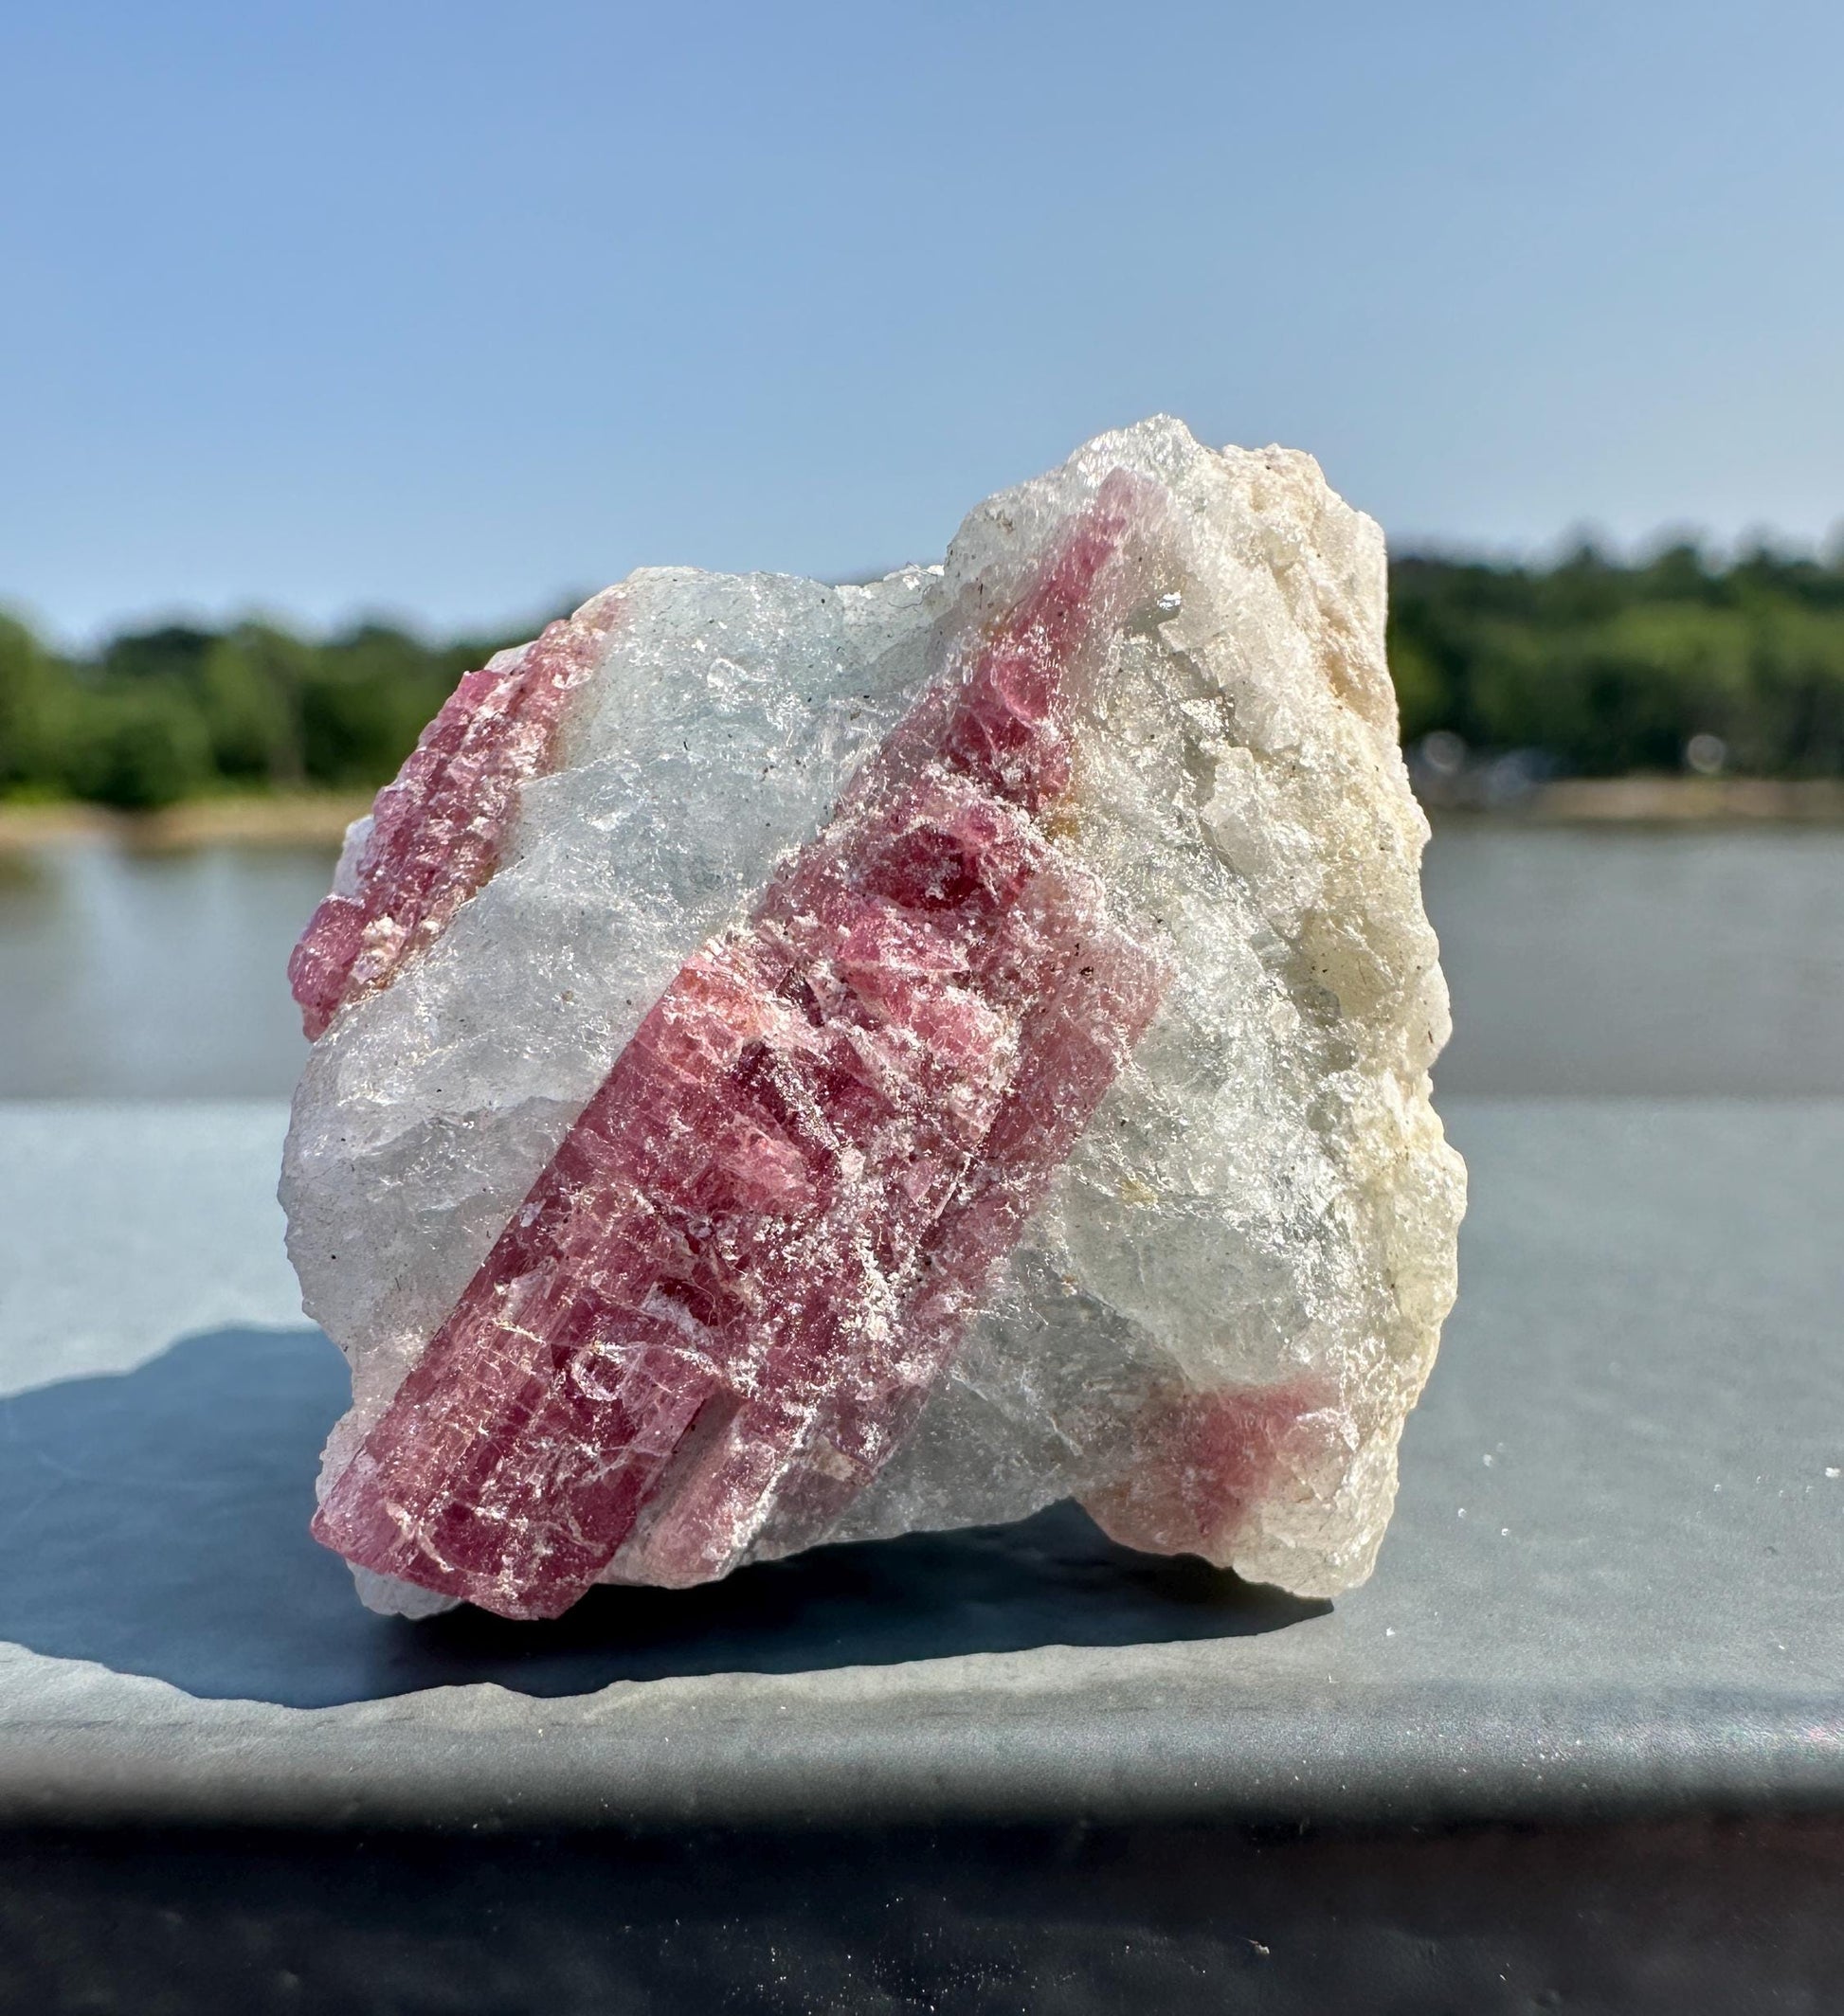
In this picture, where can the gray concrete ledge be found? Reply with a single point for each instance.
(1613, 1590)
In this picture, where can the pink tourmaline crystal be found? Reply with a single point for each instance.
(759, 1245)
(809, 1062)
(436, 833)
(1200, 1462)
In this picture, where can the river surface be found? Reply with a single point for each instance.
(1582, 962)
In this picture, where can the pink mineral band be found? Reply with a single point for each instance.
(723, 1303)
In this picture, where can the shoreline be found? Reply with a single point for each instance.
(305, 819)
(319, 819)
(1667, 801)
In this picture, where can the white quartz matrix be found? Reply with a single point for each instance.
(1264, 1204)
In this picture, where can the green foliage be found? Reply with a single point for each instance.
(1604, 668)
(135, 747)
(172, 655)
(366, 701)
(26, 684)
(158, 715)
(249, 686)
(1423, 698)
(1609, 669)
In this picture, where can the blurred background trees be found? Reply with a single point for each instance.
(1606, 669)
(1589, 666)
(173, 712)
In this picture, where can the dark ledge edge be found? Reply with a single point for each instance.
(1357, 1757)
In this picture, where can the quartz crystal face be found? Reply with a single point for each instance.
(801, 1063)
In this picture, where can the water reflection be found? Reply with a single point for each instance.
(1581, 961)
(1640, 961)
(152, 974)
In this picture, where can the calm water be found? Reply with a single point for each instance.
(1644, 962)
(159, 975)
(1580, 961)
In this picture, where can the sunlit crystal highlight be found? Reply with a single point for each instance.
(884, 1057)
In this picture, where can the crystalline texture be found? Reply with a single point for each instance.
(923, 1051)
(758, 1246)
(434, 835)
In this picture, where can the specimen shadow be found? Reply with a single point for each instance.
(156, 1523)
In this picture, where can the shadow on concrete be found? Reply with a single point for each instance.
(155, 1521)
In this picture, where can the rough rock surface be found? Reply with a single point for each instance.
(1224, 1259)
(435, 832)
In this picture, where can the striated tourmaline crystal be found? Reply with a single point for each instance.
(758, 1246)
(434, 835)
(827, 1061)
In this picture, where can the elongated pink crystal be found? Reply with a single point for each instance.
(761, 1242)
(437, 830)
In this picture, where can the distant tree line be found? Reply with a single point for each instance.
(1593, 666)
(1602, 669)
(163, 714)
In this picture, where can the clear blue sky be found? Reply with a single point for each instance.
(447, 308)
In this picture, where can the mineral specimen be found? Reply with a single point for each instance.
(434, 835)
(803, 1063)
